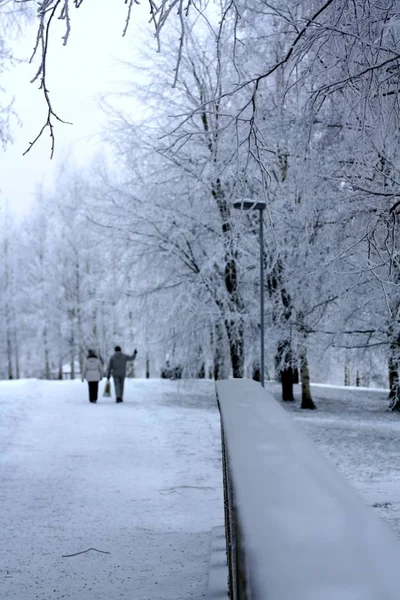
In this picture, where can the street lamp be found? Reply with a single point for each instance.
(248, 204)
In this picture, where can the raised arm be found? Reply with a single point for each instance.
(133, 355)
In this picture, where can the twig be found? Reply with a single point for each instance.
(83, 552)
(42, 42)
(128, 16)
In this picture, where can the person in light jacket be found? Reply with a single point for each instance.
(117, 368)
(93, 373)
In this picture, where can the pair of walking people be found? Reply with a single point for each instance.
(93, 372)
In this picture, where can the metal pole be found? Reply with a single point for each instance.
(262, 369)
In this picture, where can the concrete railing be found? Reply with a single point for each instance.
(296, 530)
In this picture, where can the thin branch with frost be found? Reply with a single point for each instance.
(84, 552)
(128, 16)
(46, 12)
(286, 58)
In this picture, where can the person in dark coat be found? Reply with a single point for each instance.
(117, 368)
(93, 373)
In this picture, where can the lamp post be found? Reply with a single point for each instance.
(248, 204)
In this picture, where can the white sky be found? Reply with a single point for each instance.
(78, 73)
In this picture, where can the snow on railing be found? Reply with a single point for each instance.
(295, 528)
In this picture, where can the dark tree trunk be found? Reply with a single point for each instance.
(147, 367)
(235, 303)
(283, 357)
(201, 370)
(71, 342)
(218, 369)
(9, 356)
(394, 386)
(236, 348)
(256, 374)
(234, 329)
(284, 364)
(217, 342)
(16, 345)
(394, 358)
(287, 384)
(7, 292)
(17, 370)
(306, 398)
(346, 375)
(72, 367)
(47, 370)
(47, 374)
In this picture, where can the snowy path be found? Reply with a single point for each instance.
(140, 481)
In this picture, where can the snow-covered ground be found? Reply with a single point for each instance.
(355, 430)
(141, 482)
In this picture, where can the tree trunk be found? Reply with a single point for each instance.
(217, 367)
(394, 360)
(346, 375)
(256, 372)
(306, 398)
(46, 355)
(217, 343)
(394, 386)
(132, 365)
(147, 367)
(284, 364)
(60, 351)
(78, 313)
(236, 348)
(16, 354)
(16, 343)
(287, 384)
(295, 369)
(46, 364)
(235, 303)
(9, 355)
(72, 343)
(201, 369)
(131, 371)
(96, 343)
(234, 328)
(7, 292)
(367, 379)
(104, 343)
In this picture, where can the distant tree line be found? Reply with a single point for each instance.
(295, 103)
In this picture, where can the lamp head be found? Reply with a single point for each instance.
(249, 204)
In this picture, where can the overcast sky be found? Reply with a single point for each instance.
(78, 74)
